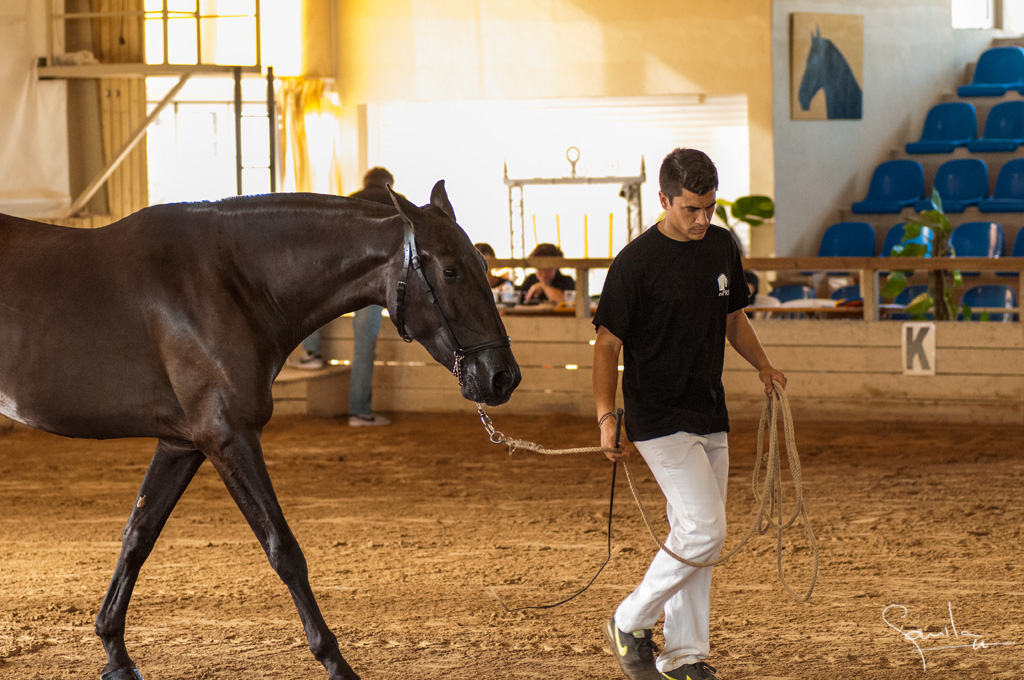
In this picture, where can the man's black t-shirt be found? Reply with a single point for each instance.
(667, 301)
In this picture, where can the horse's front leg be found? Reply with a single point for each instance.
(172, 468)
(240, 464)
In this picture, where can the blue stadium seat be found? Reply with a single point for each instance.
(894, 186)
(1008, 195)
(961, 182)
(978, 239)
(847, 239)
(990, 295)
(1004, 129)
(1017, 251)
(999, 69)
(846, 293)
(946, 127)
(792, 292)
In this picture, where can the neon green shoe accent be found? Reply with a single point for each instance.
(619, 647)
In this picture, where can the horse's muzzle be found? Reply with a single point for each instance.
(490, 377)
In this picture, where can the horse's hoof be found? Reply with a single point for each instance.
(122, 674)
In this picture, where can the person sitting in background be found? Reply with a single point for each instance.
(485, 249)
(546, 284)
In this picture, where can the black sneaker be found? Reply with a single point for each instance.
(634, 651)
(692, 671)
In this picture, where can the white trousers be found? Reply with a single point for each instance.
(692, 472)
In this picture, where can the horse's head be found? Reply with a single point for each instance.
(442, 300)
(814, 70)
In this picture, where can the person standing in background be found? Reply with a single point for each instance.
(365, 327)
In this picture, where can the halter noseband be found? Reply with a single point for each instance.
(411, 264)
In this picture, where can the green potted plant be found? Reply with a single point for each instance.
(755, 211)
(939, 297)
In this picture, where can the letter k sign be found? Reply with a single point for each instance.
(918, 349)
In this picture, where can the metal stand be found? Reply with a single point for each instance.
(630, 190)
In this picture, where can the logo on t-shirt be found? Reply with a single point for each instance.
(723, 285)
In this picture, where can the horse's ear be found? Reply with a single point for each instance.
(398, 203)
(819, 32)
(439, 198)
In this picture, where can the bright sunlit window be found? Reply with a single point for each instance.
(1013, 16)
(191, 146)
(973, 14)
(224, 32)
(469, 144)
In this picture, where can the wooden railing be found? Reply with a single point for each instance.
(865, 269)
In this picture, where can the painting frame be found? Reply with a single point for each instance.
(826, 66)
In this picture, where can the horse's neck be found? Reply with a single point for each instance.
(317, 257)
(837, 68)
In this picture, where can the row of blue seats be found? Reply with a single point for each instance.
(953, 124)
(961, 182)
(990, 296)
(998, 69)
(971, 239)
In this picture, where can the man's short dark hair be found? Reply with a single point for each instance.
(546, 250)
(688, 169)
(486, 249)
(378, 177)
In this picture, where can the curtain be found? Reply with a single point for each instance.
(310, 136)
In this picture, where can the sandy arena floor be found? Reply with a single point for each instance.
(407, 528)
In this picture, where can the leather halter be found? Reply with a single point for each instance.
(411, 263)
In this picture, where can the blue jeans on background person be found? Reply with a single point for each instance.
(312, 342)
(365, 326)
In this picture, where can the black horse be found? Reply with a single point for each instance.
(173, 323)
(827, 68)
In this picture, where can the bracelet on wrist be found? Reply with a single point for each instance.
(606, 416)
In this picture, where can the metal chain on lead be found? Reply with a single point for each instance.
(457, 368)
(769, 497)
(514, 444)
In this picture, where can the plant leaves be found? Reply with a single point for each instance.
(912, 230)
(894, 285)
(753, 206)
(911, 250)
(920, 305)
(720, 212)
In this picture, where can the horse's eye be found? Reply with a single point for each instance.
(450, 273)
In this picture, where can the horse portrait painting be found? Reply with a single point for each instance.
(826, 69)
(174, 322)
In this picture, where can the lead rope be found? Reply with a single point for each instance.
(769, 496)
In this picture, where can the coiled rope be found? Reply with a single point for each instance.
(768, 493)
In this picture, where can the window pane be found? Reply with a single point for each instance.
(230, 41)
(181, 37)
(972, 14)
(181, 5)
(227, 7)
(154, 41)
(1013, 16)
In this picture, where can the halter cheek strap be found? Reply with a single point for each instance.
(411, 263)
